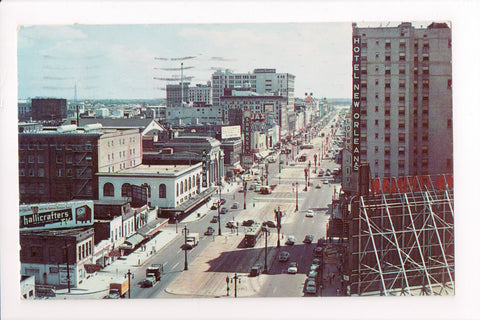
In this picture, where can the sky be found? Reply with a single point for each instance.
(121, 61)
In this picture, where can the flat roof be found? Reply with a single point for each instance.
(144, 169)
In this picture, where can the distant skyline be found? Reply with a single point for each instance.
(121, 61)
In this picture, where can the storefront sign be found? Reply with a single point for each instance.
(247, 131)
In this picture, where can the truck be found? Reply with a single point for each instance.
(265, 190)
(118, 288)
(153, 275)
(192, 239)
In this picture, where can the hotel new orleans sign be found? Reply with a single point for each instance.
(356, 103)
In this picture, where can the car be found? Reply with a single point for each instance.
(231, 224)
(210, 231)
(269, 224)
(325, 182)
(314, 267)
(290, 240)
(312, 275)
(248, 223)
(318, 186)
(242, 190)
(318, 252)
(213, 207)
(308, 238)
(252, 187)
(316, 261)
(309, 213)
(292, 268)
(311, 287)
(222, 201)
(186, 246)
(214, 219)
(284, 255)
(256, 270)
(223, 210)
(292, 164)
(235, 205)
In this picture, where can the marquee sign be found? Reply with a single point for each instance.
(56, 215)
(356, 103)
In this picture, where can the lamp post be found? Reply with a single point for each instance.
(296, 198)
(129, 274)
(228, 288)
(278, 216)
(265, 233)
(219, 223)
(185, 231)
(236, 278)
(68, 267)
(244, 195)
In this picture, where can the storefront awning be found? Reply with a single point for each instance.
(135, 239)
(193, 202)
(152, 227)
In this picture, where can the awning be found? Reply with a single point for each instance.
(152, 227)
(135, 239)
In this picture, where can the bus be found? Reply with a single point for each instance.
(252, 234)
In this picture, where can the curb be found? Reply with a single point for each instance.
(83, 293)
(192, 295)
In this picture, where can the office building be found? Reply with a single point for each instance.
(49, 109)
(60, 164)
(402, 100)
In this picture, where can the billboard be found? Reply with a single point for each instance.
(229, 132)
(56, 215)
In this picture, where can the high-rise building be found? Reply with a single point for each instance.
(402, 99)
(49, 109)
(261, 81)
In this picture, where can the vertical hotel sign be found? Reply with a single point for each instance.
(356, 103)
(247, 131)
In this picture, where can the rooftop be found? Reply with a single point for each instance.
(143, 169)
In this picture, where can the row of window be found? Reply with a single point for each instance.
(120, 154)
(84, 250)
(121, 141)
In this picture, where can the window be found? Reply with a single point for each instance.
(387, 151)
(126, 190)
(376, 108)
(376, 135)
(449, 163)
(449, 123)
(387, 124)
(387, 57)
(59, 172)
(178, 193)
(21, 172)
(36, 251)
(162, 191)
(449, 84)
(376, 149)
(108, 190)
(376, 122)
(40, 158)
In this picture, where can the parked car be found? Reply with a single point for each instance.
(213, 207)
(309, 213)
(284, 255)
(210, 231)
(312, 275)
(214, 219)
(316, 261)
(318, 186)
(292, 268)
(325, 181)
(311, 287)
(308, 238)
(248, 223)
(318, 252)
(222, 201)
(223, 210)
(235, 205)
(290, 240)
(256, 270)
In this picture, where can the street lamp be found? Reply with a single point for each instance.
(265, 233)
(236, 278)
(129, 274)
(244, 195)
(296, 198)
(185, 232)
(278, 216)
(219, 223)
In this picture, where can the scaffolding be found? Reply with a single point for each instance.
(402, 243)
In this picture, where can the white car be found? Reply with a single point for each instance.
(309, 213)
(292, 268)
(290, 240)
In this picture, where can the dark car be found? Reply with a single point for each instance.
(223, 210)
(248, 223)
(214, 219)
(210, 231)
(308, 238)
(213, 207)
(318, 252)
(256, 270)
(269, 224)
(222, 201)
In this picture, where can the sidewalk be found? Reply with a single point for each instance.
(97, 285)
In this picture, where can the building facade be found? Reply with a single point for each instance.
(402, 99)
(48, 254)
(60, 165)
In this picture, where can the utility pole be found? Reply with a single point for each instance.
(185, 231)
(68, 266)
(219, 223)
(278, 216)
(244, 195)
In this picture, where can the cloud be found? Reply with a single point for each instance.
(47, 33)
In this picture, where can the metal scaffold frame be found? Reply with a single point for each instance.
(403, 243)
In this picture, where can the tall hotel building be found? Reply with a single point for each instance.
(402, 100)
